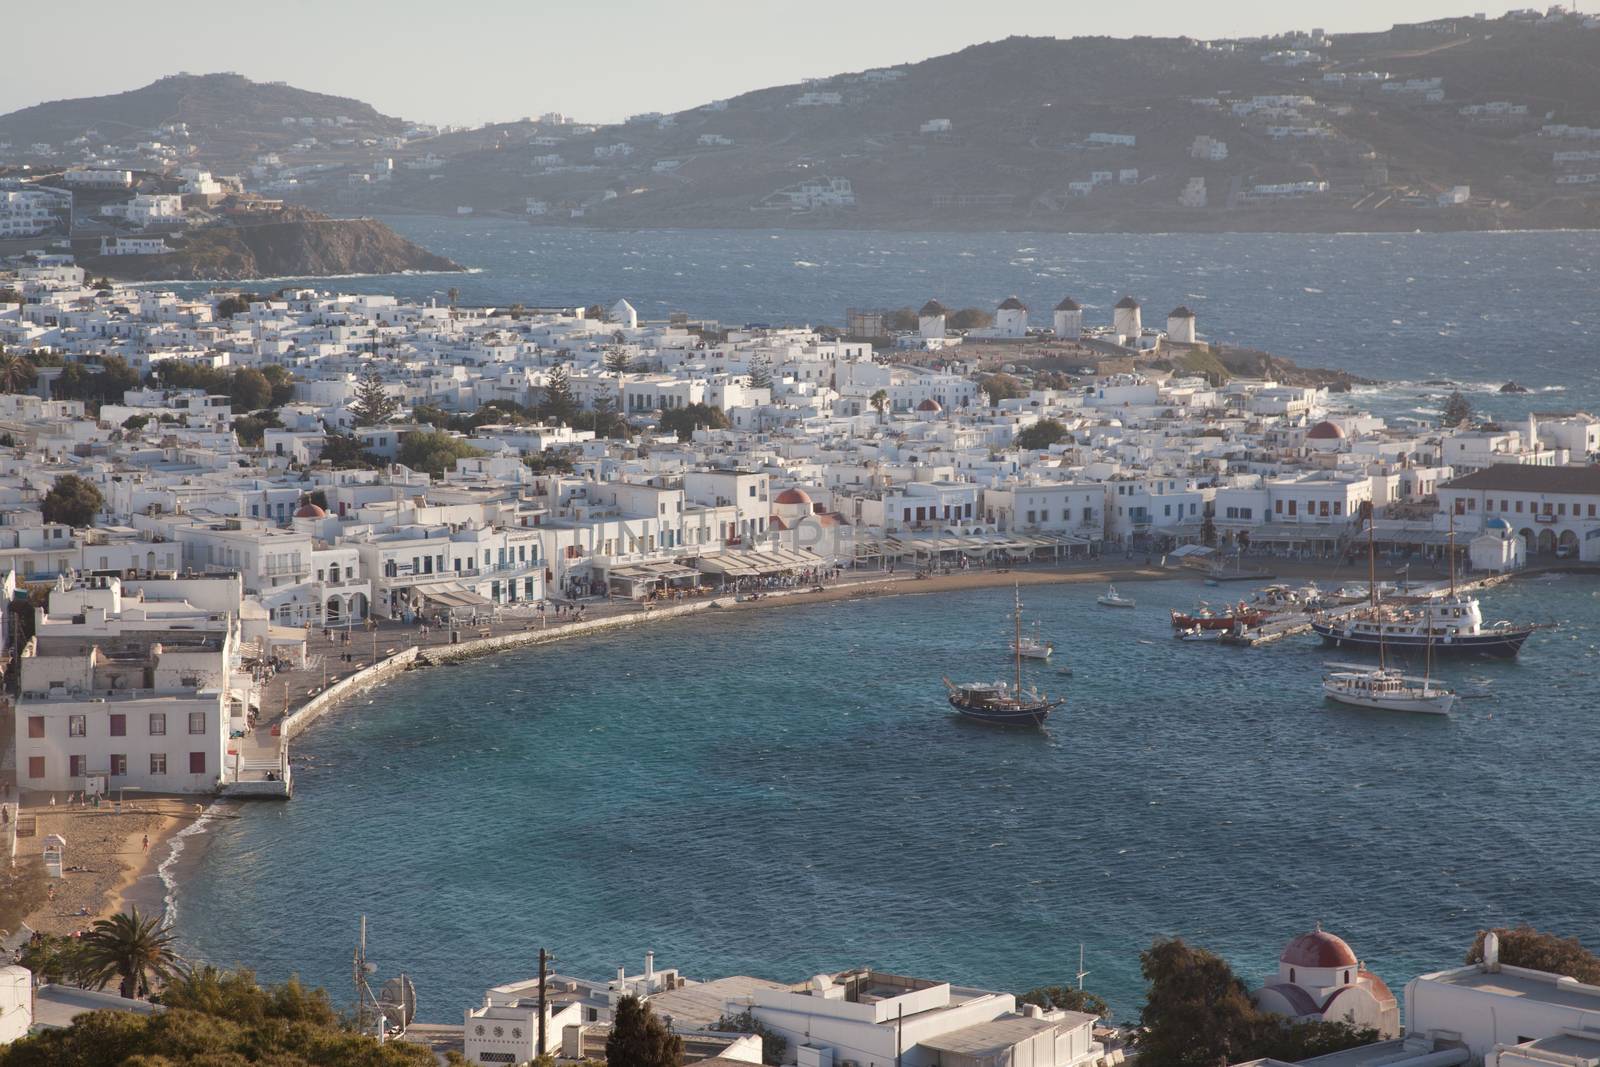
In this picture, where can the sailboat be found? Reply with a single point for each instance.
(1033, 646)
(997, 703)
(1383, 688)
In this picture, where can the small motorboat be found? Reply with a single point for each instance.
(1033, 648)
(1110, 599)
(1199, 633)
(1387, 690)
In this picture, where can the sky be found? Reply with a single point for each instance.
(475, 61)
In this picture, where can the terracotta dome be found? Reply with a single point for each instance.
(1325, 431)
(929, 404)
(1318, 949)
(308, 510)
(792, 496)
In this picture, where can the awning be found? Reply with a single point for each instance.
(456, 598)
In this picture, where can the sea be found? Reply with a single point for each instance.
(781, 793)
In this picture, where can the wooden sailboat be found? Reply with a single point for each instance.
(1000, 704)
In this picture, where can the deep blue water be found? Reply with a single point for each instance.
(784, 792)
(1478, 308)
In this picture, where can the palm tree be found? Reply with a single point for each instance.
(16, 373)
(131, 949)
(879, 401)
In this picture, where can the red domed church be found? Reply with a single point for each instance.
(1319, 978)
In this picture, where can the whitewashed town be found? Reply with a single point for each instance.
(234, 557)
(405, 484)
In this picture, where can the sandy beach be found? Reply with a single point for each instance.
(108, 864)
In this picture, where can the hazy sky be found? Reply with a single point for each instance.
(471, 61)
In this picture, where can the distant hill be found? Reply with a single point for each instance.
(1460, 123)
(229, 118)
(1004, 136)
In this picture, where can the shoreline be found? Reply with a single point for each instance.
(153, 881)
(108, 867)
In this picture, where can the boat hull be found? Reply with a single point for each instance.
(1119, 603)
(1439, 704)
(991, 715)
(1500, 644)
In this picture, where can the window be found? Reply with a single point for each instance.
(75, 766)
(1277, 505)
(119, 765)
(158, 763)
(158, 724)
(1519, 507)
(76, 727)
(35, 766)
(197, 763)
(197, 722)
(119, 725)
(35, 725)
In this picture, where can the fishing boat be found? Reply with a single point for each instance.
(1197, 633)
(1240, 614)
(1110, 599)
(1387, 690)
(1033, 648)
(999, 703)
(1451, 625)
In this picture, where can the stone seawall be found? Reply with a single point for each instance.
(330, 698)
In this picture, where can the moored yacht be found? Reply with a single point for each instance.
(1387, 690)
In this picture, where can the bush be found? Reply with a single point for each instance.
(72, 501)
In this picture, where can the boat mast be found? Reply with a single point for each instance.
(1452, 552)
(1372, 585)
(1016, 644)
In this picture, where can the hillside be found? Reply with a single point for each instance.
(300, 247)
(229, 119)
(1456, 124)
(1001, 135)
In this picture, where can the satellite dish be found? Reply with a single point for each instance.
(399, 1001)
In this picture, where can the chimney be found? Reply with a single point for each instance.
(622, 972)
(1491, 952)
(649, 966)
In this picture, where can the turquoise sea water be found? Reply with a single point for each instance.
(783, 792)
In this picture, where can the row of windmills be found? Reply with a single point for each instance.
(1011, 321)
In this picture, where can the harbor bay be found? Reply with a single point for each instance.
(784, 791)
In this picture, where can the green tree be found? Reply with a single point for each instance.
(1068, 998)
(343, 450)
(1001, 387)
(760, 372)
(617, 360)
(639, 1039)
(1198, 1013)
(880, 402)
(133, 950)
(52, 958)
(606, 420)
(902, 320)
(281, 379)
(1208, 531)
(1042, 434)
(454, 295)
(251, 430)
(559, 403)
(17, 373)
(231, 305)
(373, 406)
(249, 390)
(970, 319)
(434, 451)
(1457, 409)
(550, 461)
(1523, 946)
(72, 501)
(135, 422)
(686, 420)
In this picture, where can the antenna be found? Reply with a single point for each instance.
(366, 1004)
(1082, 974)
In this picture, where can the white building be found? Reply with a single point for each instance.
(1068, 319)
(1555, 510)
(1126, 321)
(1180, 325)
(130, 690)
(1320, 979)
(1011, 318)
(1507, 1016)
